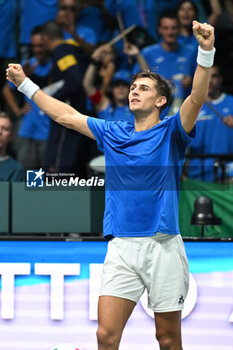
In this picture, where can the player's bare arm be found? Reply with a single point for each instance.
(190, 108)
(59, 111)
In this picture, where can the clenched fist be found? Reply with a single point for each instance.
(15, 74)
(204, 34)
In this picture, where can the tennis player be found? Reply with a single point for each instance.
(143, 167)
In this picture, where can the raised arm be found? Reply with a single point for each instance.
(216, 12)
(190, 108)
(105, 72)
(133, 51)
(59, 111)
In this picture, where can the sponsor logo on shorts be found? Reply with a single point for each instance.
(181, 300)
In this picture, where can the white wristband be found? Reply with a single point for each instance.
(28, 88)
(205, 58)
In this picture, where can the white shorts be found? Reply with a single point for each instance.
(157, 263)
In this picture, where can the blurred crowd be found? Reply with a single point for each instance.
(73, 50)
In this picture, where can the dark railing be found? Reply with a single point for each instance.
(220, 162)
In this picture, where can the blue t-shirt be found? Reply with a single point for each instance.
(35, 124)
(189, 41)
(8, 13)
(117, 113)
(142, 175)
(149, 12)
(171, 65)
(212, 136)
(34, 13)
(84, 33)
(92, 17)
(129, 11)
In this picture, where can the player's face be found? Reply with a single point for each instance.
(120, 92)
(215, 82)
(38, 48)
(143, 96)
(6, 134)
(168, 29)
(186, 13)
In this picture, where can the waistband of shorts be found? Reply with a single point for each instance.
(157, 237)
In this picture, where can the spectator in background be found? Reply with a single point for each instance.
(35, 125)
(8, 14)
(186, 12)
(67, 17)
(129, 11)
(149, 12)
(224, 43)
(153, 9)
(10, 170)
(212, 10)
(33, 13)
(126, 13)
(66, 150)
(171, 60)
(214, 134)
(115, 106)
(93, 14)
(101, 69)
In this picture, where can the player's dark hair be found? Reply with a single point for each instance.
(52, 30)
(36, 30)
(163, 86)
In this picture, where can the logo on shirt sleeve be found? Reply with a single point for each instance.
(66, 62)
